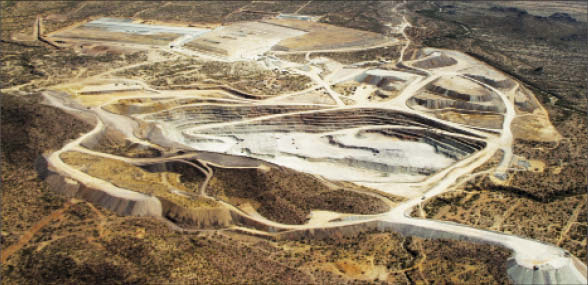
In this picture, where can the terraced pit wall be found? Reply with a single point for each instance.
(326, 121)
(454, 104)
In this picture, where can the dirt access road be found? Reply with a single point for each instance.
(527, 253)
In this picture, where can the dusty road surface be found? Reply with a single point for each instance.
(389, 143)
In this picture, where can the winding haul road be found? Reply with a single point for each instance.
(528, 254)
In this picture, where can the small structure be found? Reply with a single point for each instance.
(295, 17)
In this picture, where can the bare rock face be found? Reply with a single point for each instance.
(125, 206)
(566, 271)
(201, 218)
(435, 62)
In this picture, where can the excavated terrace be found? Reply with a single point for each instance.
(270, 163)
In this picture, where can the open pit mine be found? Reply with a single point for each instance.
(380, 138)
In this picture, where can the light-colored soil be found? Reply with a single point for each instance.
(132, 177)
(325, 37)
(375, 143)
(81, 35)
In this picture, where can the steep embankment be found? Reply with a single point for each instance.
(29, 129)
